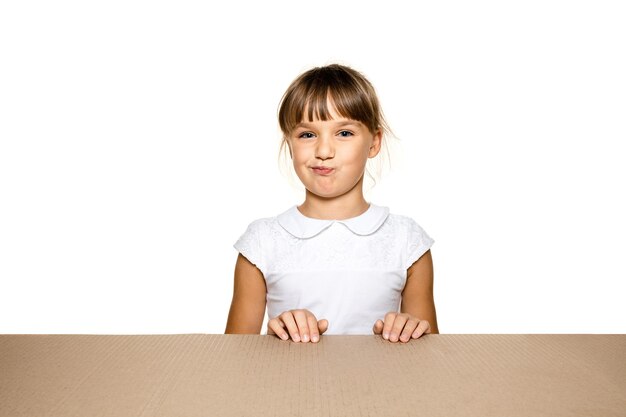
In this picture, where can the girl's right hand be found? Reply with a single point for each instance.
(302, 325)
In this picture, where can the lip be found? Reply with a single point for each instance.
(322, 170)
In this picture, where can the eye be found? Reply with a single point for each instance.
(306, 135)
(345, 133)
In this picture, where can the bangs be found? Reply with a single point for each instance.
(309, 96)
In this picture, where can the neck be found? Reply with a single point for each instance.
(345, 206)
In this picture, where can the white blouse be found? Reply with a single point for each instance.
(350, 272)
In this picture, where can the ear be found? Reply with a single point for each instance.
(376, 143)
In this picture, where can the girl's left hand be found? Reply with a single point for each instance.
(401, 326)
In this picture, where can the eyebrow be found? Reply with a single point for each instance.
(338, 124)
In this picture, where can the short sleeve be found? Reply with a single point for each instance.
(418, 243)
(249, 245)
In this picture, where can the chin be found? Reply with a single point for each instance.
(324, 194)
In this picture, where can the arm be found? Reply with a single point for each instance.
(417, 296)
(248, 304)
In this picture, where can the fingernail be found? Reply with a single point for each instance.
(386, 335)
(305, 338)
(284, 336)
(296, 338)
(315, 338)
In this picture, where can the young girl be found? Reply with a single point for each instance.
(335, 264)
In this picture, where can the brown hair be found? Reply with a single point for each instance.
(352, 95)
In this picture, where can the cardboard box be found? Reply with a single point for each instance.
(258, 375)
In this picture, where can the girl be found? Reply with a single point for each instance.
(335, 257)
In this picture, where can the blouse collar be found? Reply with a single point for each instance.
(305, 227)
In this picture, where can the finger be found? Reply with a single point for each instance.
(322, 325)
(422, 327)
(390, 319)
(398, 325)
(378, 327)
(292, 327)
(303, 327)
(409, 328)
(275, 326)
(388, 324)
(312, 325)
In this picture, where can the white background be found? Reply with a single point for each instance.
(139, 139)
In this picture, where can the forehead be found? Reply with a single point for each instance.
(334, 118)
(320, 107)
(320, 111)
(339, 122)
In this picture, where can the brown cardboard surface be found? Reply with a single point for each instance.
(258, 375)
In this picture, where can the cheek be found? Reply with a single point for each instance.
(298, 158)
(300, 162)
(300, 154)
(356, 158)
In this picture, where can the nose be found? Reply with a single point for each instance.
(325, 148)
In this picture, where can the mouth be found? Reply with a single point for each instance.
(322, 170)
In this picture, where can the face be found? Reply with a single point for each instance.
(341, 145)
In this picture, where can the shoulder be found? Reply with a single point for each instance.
(262, 226)
(406, 226)
(415, 239)
(259, 224)
(402, 222)
(256, 243)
